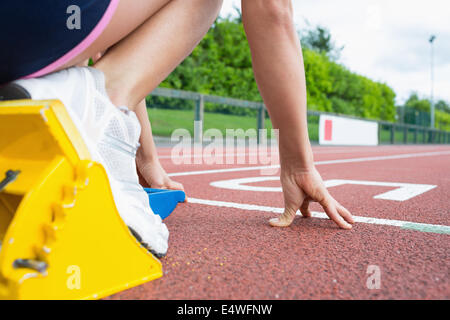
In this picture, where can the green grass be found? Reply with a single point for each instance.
(385, 136)
(165, 121)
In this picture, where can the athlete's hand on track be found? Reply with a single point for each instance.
(153, 175)
(305, 186)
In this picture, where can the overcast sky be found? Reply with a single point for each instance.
(386, 40)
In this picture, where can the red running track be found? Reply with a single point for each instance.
(218, 252)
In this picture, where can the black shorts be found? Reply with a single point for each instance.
(40, 36)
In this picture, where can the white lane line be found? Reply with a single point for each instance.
(193, 173)
(391, 157)
(351, 160)
(241, 184)
(423, 227)
(191, 156)
(247, 153)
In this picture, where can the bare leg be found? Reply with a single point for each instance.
(139, 62)
(120, 26)
(145, 42)
(147, 50)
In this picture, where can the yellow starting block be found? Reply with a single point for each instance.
(61, 234)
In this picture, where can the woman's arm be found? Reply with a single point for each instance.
(151, 173)
(279, 72)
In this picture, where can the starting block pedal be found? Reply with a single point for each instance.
(163, 201)
(60, 232)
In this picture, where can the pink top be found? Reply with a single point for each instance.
(83, 45)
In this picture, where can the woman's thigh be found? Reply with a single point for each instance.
(128, 16)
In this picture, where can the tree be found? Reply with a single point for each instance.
(319, 39)
(416, 103)
(416, 110)
(441, 105)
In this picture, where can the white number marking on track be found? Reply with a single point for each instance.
(403, 191)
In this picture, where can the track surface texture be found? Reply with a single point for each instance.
(222, 247)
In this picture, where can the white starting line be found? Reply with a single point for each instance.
(317, 163)
(423, 227)
(240, 154)
(328, 150)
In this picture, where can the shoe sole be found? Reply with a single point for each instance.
(13, 91)
(146, 246)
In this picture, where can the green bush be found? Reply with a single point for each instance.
(416, 110)
(442, 120)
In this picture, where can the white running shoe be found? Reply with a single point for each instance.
(111, 135)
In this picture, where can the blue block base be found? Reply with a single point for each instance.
(163, 201)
